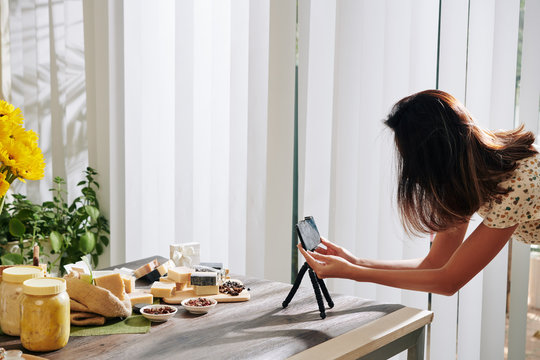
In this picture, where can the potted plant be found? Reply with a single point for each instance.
(20, 159)
(21, 222)
(64, 232)
(79, 228)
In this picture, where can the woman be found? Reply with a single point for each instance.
(449, 168)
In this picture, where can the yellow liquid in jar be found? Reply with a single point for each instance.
(10, 308)
(45, 322)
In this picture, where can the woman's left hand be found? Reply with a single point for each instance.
(326, 266)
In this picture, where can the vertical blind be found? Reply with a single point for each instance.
(186, 108)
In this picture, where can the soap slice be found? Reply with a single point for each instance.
(164, 268)
(113, 283)
(180, 274)
(206, 290)
(140, 297)
(179, 286)
(129, 283)
(162, 289)
(145, 269)
(204, 278)
(215, 265)
(152, 276)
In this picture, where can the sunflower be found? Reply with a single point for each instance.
(7, 130)
(10, 113)
(20, 155)
(4, 185)
(33, 167)
(13, 154)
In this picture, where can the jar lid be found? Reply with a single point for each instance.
(44, 286)
(18, 274)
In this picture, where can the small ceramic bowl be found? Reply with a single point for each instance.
(158, 317)
(199, 309)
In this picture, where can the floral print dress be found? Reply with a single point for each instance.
(521, 205)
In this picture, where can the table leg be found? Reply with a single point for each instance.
(412, 342)
(416, 352)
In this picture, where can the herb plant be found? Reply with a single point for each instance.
(72, 230)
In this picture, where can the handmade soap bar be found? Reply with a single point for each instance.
(180, 274)
(145, 269)
(162, 289)
(185, 254)
(152, 276)
(215, 265)
(164, 268)
(100, 273)
(204, 278)
(129, 283)
(113, 283)
(206, 290)
(179, 286)
(139, 297)
(77, 269)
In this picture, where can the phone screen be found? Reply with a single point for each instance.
(308, 233)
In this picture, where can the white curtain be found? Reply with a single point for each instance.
(206, 130)
(186, 108)
(43, 74)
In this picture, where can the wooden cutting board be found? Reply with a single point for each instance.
(189, 293)
(32, 357)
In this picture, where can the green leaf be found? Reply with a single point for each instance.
(99, 249)
(87, 242)
(16, 227)
(95, 259)
(48, 205)
(12, 259)
(24, 214)
(92, 211)
(57, 240)
(104, 240)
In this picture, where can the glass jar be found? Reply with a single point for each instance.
(11, 290)
(44, 314)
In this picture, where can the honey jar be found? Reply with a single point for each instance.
(11, 290)
(44, 314)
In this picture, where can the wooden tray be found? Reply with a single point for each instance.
(32, 357)
(189, 292)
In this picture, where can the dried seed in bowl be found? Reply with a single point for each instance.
(159, 311)
(232, 288)
(199, 302)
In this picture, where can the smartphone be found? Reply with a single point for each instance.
(308, 233)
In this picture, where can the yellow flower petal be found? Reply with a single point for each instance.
(4, 185)
(9, 113)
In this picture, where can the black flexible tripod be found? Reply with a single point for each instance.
(316, 282)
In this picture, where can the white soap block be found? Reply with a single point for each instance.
(185, 254)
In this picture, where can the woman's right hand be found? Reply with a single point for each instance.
(335, 250)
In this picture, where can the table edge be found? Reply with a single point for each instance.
(369, 337)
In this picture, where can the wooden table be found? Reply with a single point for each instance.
(261, 329)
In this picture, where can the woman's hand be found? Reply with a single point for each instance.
(336, 250)
(327, 266)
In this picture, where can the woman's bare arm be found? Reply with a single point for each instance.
(442, 248)
(453, 271)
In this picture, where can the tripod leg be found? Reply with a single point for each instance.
(326, 293)
(297, 282)
(318, 295)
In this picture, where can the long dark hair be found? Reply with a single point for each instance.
(448, 166)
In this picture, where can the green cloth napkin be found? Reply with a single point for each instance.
(135, 324)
